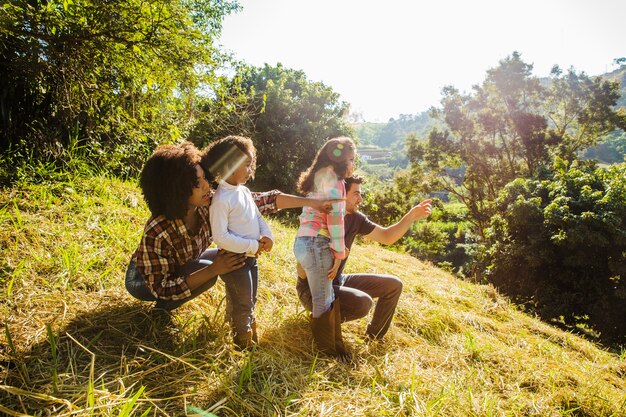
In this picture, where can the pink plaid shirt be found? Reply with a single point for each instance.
(313, 222)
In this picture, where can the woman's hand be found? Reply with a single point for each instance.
(225, 262)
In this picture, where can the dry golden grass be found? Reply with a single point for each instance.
(74, 343)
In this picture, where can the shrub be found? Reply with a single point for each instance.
(560, 245)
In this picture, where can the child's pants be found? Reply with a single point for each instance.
(315, 256)
(241, 296)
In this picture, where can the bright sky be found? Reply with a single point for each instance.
(393, 57)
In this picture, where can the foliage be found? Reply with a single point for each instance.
(560, 244)
(73, 342)
(365, 132)
(511, 127)
(395, 130)
(385, 202)
(443, 238)
(440, 239)
(121, 76)
(611, 150)
(287, 116)
(619, 75)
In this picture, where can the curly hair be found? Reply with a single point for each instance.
(354, 179)
(226, 154)
(168, 178)
(332, 153)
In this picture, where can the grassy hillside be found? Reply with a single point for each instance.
(74, 343)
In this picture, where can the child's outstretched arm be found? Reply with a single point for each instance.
(269, 202)
(286, 201)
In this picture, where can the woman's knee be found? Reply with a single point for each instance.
(136, 285)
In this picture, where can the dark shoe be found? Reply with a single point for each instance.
(243, 341)
(255, 337)
(161, 317)
(371, 338)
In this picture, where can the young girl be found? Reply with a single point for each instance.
(319, 245)
(238, 227)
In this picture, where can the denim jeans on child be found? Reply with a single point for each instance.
(315, 256)
(241, 296)
(136, 285)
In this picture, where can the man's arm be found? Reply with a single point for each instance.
(391, 234)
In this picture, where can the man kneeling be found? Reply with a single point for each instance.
(355, 292)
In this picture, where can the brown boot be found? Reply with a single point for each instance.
(323, 329)
(340, 348)
(327, 333)
(243, 341)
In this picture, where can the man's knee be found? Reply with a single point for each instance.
(353, 305)
(396, 285)
(363, 305)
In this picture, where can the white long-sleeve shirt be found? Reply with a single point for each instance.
(236, 223)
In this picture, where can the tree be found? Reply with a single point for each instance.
(287, 116)
(581, 111)
(120, 76)
(510, 127)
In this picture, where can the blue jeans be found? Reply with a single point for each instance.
(241, 296)
(136, 285)
(315, 256)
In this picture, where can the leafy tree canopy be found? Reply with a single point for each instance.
(511, 126)
(287, 116)
(120, 75)
(561, 242)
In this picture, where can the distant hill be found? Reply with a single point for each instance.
(392, 134)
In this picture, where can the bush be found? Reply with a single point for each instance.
(443, 238)
(560, 245)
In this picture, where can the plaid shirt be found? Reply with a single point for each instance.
(313, 222)
(167, 245)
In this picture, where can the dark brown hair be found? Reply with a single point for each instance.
(168, 178)
(227, 152)
(354, 179)
(332, 153)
